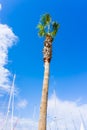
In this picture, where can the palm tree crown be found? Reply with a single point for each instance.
(47, 27)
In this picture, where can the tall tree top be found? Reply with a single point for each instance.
(47, 27)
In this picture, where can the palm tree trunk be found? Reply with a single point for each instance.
(43, 107)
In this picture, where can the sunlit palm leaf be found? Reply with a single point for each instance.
(41, 33)
(40, 26)
(45, 19)
(47, 27)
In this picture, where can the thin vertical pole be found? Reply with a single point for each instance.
(82, 119)
(12, 102)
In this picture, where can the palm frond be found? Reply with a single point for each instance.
(55, 26)
(41, 33)
(47, 27)
(45, 19)
(40, 26)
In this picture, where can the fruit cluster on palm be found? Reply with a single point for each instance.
(48, 29)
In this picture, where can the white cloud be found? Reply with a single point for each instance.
(7, 39)
(22, 103)
(0, 6)
(18, 123)
(65, 113)
(61, 115)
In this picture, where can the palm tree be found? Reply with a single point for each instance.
(48, 29)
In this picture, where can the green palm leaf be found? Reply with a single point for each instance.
(41, 33)
(47, 27)
(45, 19)
(55, 26)
(40, 26)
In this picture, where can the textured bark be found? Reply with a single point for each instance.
(47, 51)
(43, 107)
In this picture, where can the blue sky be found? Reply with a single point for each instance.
(68, 68)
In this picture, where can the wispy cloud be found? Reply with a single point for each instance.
(66, 113)
(61, 115)
(22, 104)
(19, 123)
(0, 6)
(7, 39)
